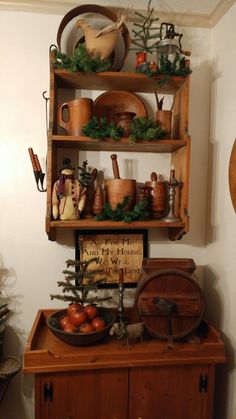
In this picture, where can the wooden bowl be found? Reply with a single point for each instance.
(80, 339)
(112, 102)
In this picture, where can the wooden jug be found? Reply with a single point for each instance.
(79, 112)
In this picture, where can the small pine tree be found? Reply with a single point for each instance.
(145, 39)
(79, 283)
(86, 177)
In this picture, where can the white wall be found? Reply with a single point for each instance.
(34, 264)
(220, 284)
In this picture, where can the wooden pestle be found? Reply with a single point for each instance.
(115, 167)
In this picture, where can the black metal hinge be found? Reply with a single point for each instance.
(48, 392)
(203, 383)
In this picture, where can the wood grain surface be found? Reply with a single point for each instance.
(232, 175)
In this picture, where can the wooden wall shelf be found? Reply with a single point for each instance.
(87, 143)
(63, 87)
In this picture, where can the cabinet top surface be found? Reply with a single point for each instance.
(45, 353)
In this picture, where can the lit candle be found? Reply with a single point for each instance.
(121, 276)
(172, 174)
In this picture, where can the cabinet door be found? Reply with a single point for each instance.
(82, 395)
(171, 392)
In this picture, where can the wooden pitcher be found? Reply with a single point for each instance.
(78, 112)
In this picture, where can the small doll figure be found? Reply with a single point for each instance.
(68, 196)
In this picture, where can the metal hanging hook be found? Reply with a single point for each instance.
(46, 106)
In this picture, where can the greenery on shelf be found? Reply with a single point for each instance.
(166, 68)
(86, 177)
(81, 61)
(101, 129)
(139, 212)
(146, 129)
(79, 283)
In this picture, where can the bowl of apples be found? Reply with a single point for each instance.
(81, 325)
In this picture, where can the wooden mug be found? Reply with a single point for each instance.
(79, 112)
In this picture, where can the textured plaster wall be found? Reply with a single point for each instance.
(32, 263)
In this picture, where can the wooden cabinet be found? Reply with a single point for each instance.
(64, 86)
(172, 392)
(85, 394)
(109, 381)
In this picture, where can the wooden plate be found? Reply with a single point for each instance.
(115, 101)
(232, 175)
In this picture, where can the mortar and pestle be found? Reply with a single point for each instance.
(117, 188)
(158, 196)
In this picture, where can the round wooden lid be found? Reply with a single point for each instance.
(170, 303)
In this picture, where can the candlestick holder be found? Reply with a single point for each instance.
(171, 185)
(121, 289)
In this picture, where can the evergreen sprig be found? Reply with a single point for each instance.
(101, 129)
(146, 129)
(139, 212)
(81, 61)
(166, 68)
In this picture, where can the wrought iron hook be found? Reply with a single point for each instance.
(46, 105)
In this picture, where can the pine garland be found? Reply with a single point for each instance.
(81, 61)
(139, 212)
(146, 129)
(101, 129)
(166, 68)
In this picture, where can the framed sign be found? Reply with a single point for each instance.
(115, 249)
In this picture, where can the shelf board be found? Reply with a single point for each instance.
(91, 223)
(87, 143)
(107, 80)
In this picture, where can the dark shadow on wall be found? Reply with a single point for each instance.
(213, 158)
(214, 311)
